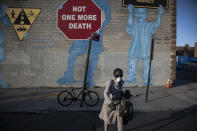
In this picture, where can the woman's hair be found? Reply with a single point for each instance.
(119, 71)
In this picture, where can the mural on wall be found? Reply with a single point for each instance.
(5, 21)
(79, 47)
(22, 19)
(140, 32)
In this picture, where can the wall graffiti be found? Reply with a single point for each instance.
(140, 32)
(79, 47)
(5, 21)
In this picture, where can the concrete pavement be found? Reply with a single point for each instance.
(183, 96)
(184, 120)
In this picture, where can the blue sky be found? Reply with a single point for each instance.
(186, 22)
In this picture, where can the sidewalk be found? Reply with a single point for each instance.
(182, 96)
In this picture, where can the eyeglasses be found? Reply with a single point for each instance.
(118, 75)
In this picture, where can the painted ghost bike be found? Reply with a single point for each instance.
(90, 98)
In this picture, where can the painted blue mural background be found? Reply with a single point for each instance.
(141, 33)
(79, 47)
(5, 21)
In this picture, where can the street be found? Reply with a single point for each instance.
(184, 120)
(60, 61)
(38, 110)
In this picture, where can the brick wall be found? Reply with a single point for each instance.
(41, 58)
(195, 49)
(182, 50)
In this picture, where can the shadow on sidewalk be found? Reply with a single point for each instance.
(170, 94)
(185, 78)
(174, 117)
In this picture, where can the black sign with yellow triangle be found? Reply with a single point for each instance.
(22, 19)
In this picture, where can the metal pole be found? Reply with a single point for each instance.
(86, 69)
(150, 61)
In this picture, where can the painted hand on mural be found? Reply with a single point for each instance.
(160, 9)
(3, 16)
(104, 5)
(5, 21)
(141, 34)
(130, 8)
(79, 47)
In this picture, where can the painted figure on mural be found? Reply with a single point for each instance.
(5, 21)
(79, 47)
(141, 34)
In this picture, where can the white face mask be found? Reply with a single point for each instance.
(118, 79)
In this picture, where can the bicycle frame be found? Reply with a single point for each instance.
(76, 97)
(73, 93)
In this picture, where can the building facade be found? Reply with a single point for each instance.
(41, 58)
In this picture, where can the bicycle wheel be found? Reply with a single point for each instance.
(65, 98)
(91, 98)
(131, 112)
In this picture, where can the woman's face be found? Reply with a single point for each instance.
(118, 76)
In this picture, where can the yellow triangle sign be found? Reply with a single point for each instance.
(21, 30)
(13, 13)
(32, 14)
(22, 19)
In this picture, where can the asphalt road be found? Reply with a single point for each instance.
(190, 76)
(184, 120)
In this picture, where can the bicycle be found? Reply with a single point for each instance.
(126, 106)
(90, 98)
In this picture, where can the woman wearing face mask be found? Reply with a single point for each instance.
(112, 95)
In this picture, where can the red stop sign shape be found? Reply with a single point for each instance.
(77, 19)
